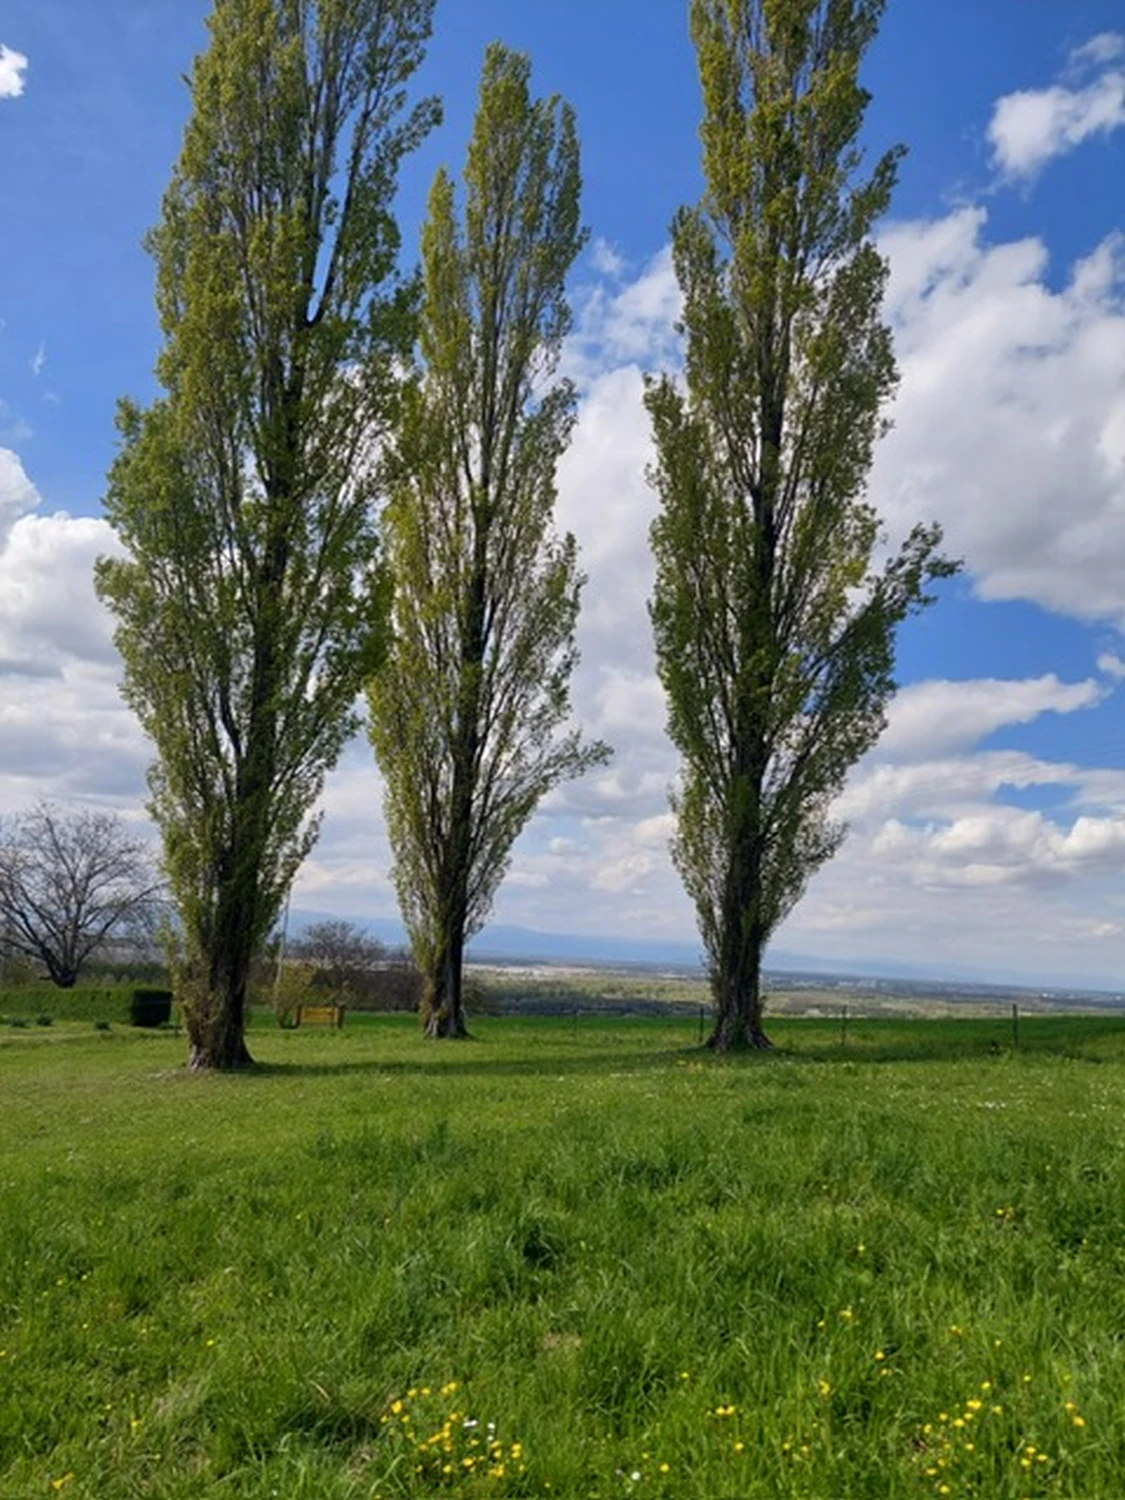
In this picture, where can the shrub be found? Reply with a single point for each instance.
(44, 1021)
(148, 1007)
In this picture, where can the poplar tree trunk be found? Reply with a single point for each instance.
(443, 1010)
(737, 983)
(443, 1005)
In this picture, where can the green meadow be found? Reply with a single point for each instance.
(566, 1258)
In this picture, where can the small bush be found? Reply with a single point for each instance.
(102, 1026)
(44, 1020)
(149, 1007)
(17, 1023)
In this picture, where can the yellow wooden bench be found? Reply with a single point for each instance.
(321, 1015)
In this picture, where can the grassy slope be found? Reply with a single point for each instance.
(221, 1286)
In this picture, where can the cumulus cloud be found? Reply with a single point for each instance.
(931, 719)
(17, 493)
(12, 67)
(64, 731)
(627, 323)
(1006, 846)
(1009, 425)
(1032, 126)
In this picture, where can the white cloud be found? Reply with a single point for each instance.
(12, 66)
(627, 324)
(1010, 418)
(1106, 47)
(17, 493)
(39, 363)
(49, 559)
(64, 731)
(1005, 846)
(1032, 126)
(607, 260)
(931, 719)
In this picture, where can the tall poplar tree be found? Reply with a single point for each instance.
(250, 605)
(774, 624)
(468, 710)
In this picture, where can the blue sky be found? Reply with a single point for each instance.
(989, 826)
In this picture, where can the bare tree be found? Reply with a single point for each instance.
(69, 881)
(342, 956)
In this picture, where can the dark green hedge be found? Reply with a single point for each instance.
(150, 1007)
(82, 1003)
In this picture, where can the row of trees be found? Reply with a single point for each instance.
(349, 483)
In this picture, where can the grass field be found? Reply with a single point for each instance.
(568, 1260)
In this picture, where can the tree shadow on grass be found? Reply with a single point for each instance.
(547, 1066)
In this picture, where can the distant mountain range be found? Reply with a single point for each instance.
(510, 944)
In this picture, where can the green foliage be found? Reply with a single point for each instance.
(286, 989)
(250, 602)
(572, 1229)
(467, 710)
(774, 627)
